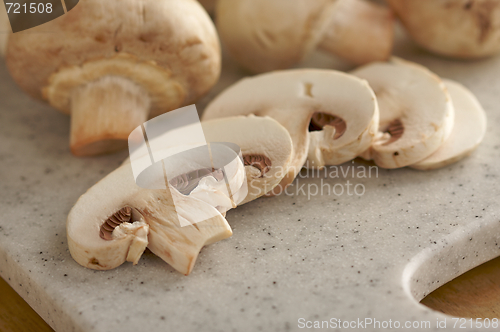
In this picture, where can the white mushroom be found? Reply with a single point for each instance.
(416, 113)
(265, 35)
(343, 107)
(116, 219)
(112, 72)
(455, 28)
(266, 146)
(468, 131)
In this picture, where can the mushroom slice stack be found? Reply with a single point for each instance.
(266, 146)
(468, 131)
(112, 73)
(116, 219)
(264, 35)
(340, 108)
(416, 113)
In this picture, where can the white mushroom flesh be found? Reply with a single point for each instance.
(266, 147)
(158, 227)
(468, 131)
(292, 98)
(416, 113)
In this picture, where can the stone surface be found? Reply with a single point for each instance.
(291, 257)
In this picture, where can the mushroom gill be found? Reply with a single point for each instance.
(396, 130)
(119, 217)
(262, 163)
(320, 120)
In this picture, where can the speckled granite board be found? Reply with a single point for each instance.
(344, 257)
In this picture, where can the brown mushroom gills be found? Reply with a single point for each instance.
(320, 120)
(262, 163)
(119, 217)
(396, 130)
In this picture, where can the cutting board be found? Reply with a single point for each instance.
(292, 260)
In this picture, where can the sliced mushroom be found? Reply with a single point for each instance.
(468, 131)
(266, 146)
(116, 219)
(265, 35)
(292, 98)
(416, 113)
(113, 72)
(461, 29)
(213, 174)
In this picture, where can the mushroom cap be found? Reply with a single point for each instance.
(468, 131)
(170, 48)
(256, 136)
(265, 35)
(417, 100)
(292, 97)
(462, 29)
(178, 246)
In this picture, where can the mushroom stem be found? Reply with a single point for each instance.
(104, 113)
(360, 31)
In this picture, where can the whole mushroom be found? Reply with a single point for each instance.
(454, 28)
(113, 64)
(265, 35)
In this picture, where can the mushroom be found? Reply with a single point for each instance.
(454, 28)
(116, 219)
(113, 72)
(265, 35)
(468, 131)
(266, 146)
(416, 113)
(343, 109)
